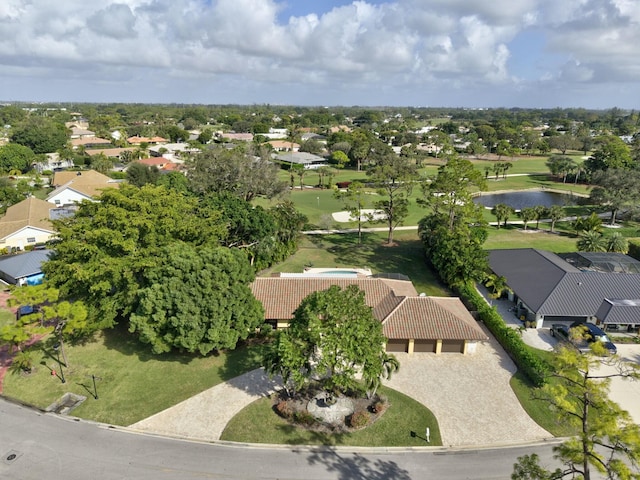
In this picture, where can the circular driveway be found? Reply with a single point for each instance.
(470, 396)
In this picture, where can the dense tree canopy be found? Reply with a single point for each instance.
(332, 337)
(196, 299)
(105, 248)
(16, 157)
(238, 171)
(41, 135)
(617, 189)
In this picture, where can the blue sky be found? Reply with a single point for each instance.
(462, 53)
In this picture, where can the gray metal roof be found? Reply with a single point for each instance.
(549, 285)
(620, 311)
(24, 264)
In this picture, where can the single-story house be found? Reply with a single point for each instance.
(602, 288)
(73, 187)
(308, 160)
(23, 268)
(26, 223)
(160, 163)
(53, 162)
(411, 322)
(284, 146)
(110, 152)
(136, 140)
(172, 150)
(89, 142)
(242, 137)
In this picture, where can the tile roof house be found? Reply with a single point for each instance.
(548, 288)
(160, 163)
(284, 146)
(412, 323)
(148, 140)
(73, 187)
(26, 223)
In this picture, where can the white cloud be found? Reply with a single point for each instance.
(365, 49)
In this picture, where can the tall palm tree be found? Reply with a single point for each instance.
(373, 376)
(555, 213)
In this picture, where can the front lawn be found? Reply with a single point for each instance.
(258, 423)
(132, 382)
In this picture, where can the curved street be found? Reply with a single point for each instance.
(35, 445)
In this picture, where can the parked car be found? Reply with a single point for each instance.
(560, 331)
(593, 333)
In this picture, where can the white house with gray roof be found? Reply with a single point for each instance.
(602, 288)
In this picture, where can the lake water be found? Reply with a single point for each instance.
(520, 200)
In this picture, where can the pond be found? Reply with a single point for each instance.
(531, 198)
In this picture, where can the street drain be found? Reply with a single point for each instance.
(11, 457)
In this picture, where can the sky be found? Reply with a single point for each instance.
(423, 53)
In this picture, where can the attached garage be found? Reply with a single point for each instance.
(452, 346)
(424, 346)
(396, 345)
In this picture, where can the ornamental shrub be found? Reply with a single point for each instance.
(359, 419)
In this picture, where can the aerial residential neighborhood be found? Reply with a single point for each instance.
(328, 240)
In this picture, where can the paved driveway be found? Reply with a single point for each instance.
(469, 395)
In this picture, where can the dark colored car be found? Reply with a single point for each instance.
(560, 331)
(593, 333)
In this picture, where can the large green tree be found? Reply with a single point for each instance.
(394, 177)
(617, 189)
(240, 171)
(196, 299)
(332, 338)
(448, 194)
(611, 152)
(354, 200)
(16, 157)
(608, 440)
(41, 135)
(105, 248)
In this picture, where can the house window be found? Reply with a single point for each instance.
(31, 239)
(57, 202)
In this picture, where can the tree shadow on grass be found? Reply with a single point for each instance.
(353, 466)
(120, 339)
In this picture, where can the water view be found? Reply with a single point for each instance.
(520, 200)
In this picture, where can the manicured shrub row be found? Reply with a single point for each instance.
(533, 367)
(634, 248)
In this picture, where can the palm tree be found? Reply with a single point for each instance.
(527, 214)
(373, 375)
(592, 241)
(498, 285)
(617, 243)
(540, 211)
(555, 213)
(502, 213)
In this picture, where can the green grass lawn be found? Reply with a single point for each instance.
(258, 423)
(515, 237)
(342, 250)
(538, 410)
(134, 383)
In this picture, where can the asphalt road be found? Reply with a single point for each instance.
(35, 445)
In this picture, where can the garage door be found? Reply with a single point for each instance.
(397, 346)
(424, 346)
(452, 346)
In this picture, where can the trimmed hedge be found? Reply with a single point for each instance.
(532, 366)
(634, 247)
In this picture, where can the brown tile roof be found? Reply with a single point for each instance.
(140, 140)
(85, 177)
(432, 318)
(281, 296)
(76, 142)
(395, 303)
(89, 182)
(110, 152)
(31, 212)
